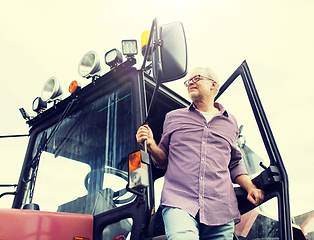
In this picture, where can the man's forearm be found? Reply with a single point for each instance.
(245, 182)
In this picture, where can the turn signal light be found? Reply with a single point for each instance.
(135, 161)
(74, 86)
(138, 170)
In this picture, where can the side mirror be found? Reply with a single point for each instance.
(170, 55)
(167, 46)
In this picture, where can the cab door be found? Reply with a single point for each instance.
(239, 96)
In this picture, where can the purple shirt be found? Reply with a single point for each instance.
(203, 161)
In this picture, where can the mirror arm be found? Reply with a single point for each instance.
(148, 44)
(159, 71)
(157, 44)
(152, 102)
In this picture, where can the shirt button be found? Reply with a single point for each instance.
(201, 178)
(201, 197)
(203, 159)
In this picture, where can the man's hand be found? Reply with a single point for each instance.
(145, 133)
(158, 155)
(255, 195)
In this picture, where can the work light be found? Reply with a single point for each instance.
(113, 58)
(39, 105)
(129, 48)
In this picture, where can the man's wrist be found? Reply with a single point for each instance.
(152, 146)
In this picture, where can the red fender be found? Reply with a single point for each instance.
(30, 224)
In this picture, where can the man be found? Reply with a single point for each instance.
(198, 149)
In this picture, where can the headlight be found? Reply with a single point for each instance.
(51, 90)
(89, 65)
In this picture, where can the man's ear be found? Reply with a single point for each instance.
(213, 86)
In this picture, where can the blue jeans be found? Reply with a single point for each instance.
(179, 225)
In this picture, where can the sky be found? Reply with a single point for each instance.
(40, 39)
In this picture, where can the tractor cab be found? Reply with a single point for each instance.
(84, 175)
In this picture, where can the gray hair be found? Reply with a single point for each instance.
(211, 74)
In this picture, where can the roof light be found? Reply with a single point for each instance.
(113, 58)
(51, 90)
(129, 48)
(144, 41)
(89, 65)
(74, 86)
(39, 105)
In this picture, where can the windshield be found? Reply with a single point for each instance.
(83, 168)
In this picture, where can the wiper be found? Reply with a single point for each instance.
(59, 149)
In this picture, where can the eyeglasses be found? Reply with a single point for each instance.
(195, 79)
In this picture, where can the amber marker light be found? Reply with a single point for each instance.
(138, 170)
(74, 86)
(134, 161)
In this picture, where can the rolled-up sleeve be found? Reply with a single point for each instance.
(165, 137)
(236, 166)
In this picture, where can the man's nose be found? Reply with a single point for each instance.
(191, 82)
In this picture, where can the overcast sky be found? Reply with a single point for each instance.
(39, 40)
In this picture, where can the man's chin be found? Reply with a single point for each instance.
(194, 97)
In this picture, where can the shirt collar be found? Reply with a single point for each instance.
(216, 105)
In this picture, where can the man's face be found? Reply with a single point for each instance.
(201, 89)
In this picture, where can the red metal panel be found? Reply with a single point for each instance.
(247, 220)
(38, 225)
